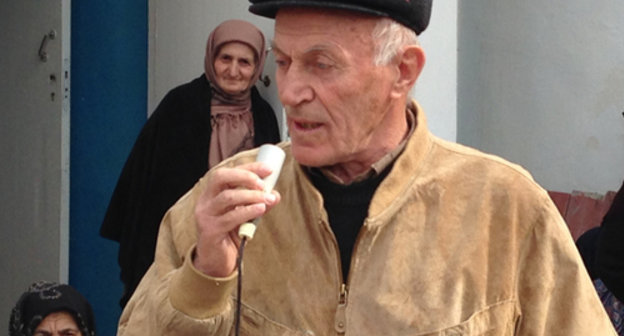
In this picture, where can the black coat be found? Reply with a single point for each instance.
(609, 259)
(168, 157)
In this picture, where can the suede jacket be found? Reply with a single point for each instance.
(456, 242)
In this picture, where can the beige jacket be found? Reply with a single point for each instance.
(457, 242)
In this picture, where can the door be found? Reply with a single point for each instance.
(34, 146)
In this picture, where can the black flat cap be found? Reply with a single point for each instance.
(414, 14)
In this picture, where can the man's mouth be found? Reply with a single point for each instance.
(307, 125)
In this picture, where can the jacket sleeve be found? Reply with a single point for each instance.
(174, 298)
(555, 294)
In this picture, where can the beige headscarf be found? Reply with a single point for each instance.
(231, 116)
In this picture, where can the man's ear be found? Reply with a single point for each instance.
(410, 63)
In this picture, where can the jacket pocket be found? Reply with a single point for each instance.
(498, 319)
(255, 323)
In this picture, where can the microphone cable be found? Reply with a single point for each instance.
(273, 156)
(239, 286)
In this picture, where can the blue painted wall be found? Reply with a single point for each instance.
(108, 108)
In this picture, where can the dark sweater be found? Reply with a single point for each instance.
(347, 208)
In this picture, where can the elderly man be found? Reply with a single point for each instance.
(377, 227)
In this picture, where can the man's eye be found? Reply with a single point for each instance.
(281, 63)
(323, 66)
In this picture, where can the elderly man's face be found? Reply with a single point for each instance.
(337, 101)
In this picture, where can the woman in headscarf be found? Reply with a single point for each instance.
(48, 308)
(195, 126)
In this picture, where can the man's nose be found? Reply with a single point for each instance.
(293, 87)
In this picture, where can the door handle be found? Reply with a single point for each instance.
(43, 54)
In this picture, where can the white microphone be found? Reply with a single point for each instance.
(272, 156)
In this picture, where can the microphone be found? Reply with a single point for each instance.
(273, 156)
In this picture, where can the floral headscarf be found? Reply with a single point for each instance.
(43, 298)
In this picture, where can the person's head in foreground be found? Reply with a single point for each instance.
(52, 309)
(344, 72)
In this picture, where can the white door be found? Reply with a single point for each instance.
(34, 146)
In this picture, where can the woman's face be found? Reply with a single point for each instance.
(58, 324)
(234, 65)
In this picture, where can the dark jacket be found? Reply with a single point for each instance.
(169, 156)
(609, 261)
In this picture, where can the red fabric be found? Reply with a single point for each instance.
(582, 211)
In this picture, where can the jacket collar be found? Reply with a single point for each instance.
(405, 171)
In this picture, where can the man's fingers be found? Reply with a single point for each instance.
(233, 178)
(247, 176)
(244, 213)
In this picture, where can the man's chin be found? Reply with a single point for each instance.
(309, 157)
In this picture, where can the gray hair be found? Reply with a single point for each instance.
(389, 37)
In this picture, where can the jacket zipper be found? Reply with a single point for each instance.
(340, 318)
(340, 321)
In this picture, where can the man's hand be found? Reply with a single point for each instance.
(232, 197)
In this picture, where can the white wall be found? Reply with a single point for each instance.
(178, 32)
(542, 84)
(436, 89)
